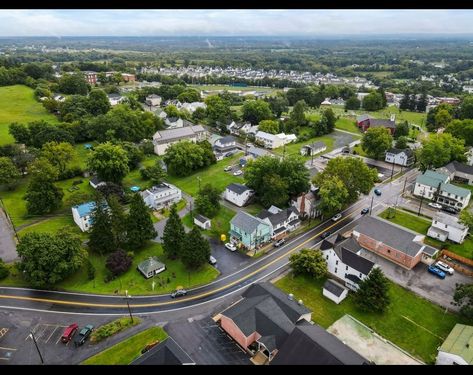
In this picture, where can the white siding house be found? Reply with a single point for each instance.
(274, 140)
(202, 222)
(82, 215)
(162, 195)
(281, 221)
(153, 100)
(400, 157)
(174, 122)
(162, 139)
(445, 227)
(238, 194)
(334, 291)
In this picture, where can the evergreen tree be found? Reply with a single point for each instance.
(421, 105)
(195, 250)
(372, 294)
(101, 237)
(404, 103)
(412, 102)
(118, 221)
(173, 236)
(384, 101)
(139, 226)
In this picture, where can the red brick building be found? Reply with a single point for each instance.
(90, 77)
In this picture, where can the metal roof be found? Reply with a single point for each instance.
(460, 342)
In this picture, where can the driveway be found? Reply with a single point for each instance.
(227, 261)
(205, 343)
(420, 281)
(7, 241)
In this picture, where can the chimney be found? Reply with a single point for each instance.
(302, 209)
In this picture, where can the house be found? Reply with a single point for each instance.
(469, 156)
(202, 221)
(243, 128)
(59, 98)
(308, 204)
(162, 195)
(191, 107)
(162, 139)
(167, 352)
(344, 260)
(399, 245)
(128, 77)
(249, 231)
(447, 227)
(334, 291)
(238, 194)
(95, 182)
(153, 100)
(173, 122)
(457, 349)
(274, 140)
(365, 122)
(458, 172)
(115, 99)
(436, 186)
(82, 215)
(151, 267)
(326, 102)
(256, 152)
(313, 148)
(404, 157)
(281, 221)
(161, 113)
(90, 77)
(225, 144)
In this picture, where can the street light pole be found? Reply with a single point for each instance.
(36, 344)
(128, 304)
(371, 207)
(421, 199)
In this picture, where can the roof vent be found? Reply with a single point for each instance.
(291, 296)
(299, 302)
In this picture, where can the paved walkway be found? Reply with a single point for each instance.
(7, 239)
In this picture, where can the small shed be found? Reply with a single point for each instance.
(151, 266)
(202, 222)
(95, 182)
(334, 291)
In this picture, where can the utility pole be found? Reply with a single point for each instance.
(128, 304)
(36, 344)
(420, 204)
(404, 188)
(371, 206)
(392, 171)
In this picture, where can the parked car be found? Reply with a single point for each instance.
(325, 234)
(279, 242)
(230, 246)
(437, 272)
(228, 168)
(212, 260)
(450, 210)
(69, 332)
(445, 267)
(178, 293)
(365, 210)
(435, 205)
(83, 335)
(337, 217)
(249, 145)
(238, 173)
(377, 192)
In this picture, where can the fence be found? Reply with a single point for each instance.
(458, 267)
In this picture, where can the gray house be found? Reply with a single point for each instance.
(151, 266)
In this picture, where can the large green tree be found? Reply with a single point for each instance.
(298, 113)
(185, 157)
(47, 259)
(309, 262)
(373, 292)
(207, 202)
(109, 161)
(353, 103)
(9, 174)
(218, 110)
(462, 129)
(333, 194)
(101, 238)
(376, 141)
(269, 126)
(174, 234)
(463, 297)
(256, 111)
(402, 129)
(440, 149)
(278, 104)
(372, 102)
(139, 226)
(466, 108)
(59, 154)
(189, 95)
(73, 84)
(98, 103)
(155, 173)
(118, 221)
(195, 249)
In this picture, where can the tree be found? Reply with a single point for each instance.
(109, 161)
(110, 189)
(463, 297)
(421, 104)
(173, 236)
(73, 84)
(139, 226)
(98, 103)
(352, 103)
(466, 218)
(443, 118)
(466, 108)
(401, 142)
(461, 129)
(440, 149)
(195, 249)
(20, 132)
(183, 158)
(256, 111)
(4, 270)
(218, 110)
(278, 104)
(376, 141)
(134, 154)
(309, 262)
(402, 129)
(372, 294)
(118, 221)
(101, 238)
(431, 121)
(372, 102)
(333, 194)
(118, 262)
(58, 154)
(269, 126)
(189, 95)
(47, 259)
(329, 119)
(384, 101)
(155, 173)
(298, 113)
(172, 111)
(9, 174)
(207, 202)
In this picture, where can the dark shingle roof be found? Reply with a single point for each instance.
(226, 140)
(334, 287)
(247, 222)
(376, 123)
(310, 344)
(279, 217)
(456, 166)
(167, 352)
(346, 249)
(238, 188)
(396, 151)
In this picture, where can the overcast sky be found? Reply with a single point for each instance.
(232, 22)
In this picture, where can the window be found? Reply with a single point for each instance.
(326, 257)
(446, 226)
(336, 263)
(347, 268)
(360, 275)
(335, 270)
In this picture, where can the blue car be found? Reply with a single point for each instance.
(377, 192)
(437, 272)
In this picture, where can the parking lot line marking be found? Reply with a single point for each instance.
(54, 330)
(5, 348)
(5, 359)
(38, 337)
(3, 332)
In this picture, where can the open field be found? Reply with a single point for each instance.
(220, 223)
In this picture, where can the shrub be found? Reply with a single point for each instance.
(90, 270)
(4, 270)
(70, 173)
(118, 262)
(107, 330)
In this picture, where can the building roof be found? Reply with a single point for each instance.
(167, 352)
(390, 234)
(310, 344)
(85, 209)
(201, 219)
(163, 186)
(397, 151)
(455, 166)
(453, 221)
(268, 136)
(247, 222)
(385, 123)
(438, 231)
(455, 190)
(431, 178)
(258, 151)
(96, 180)
(279, 217)
(149, 265)
(238, 188)
(226, 140)
(362, 118)
(334, 287)
(460, 342)
(171, 134)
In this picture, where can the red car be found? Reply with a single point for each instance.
(69, 332)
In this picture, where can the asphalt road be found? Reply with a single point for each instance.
(7, 241)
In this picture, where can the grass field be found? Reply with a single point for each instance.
(347, 124)
(126, 351)
(220, 223)
(17, 104)
(421, 338)
(295, 148)
(235, 88)
(53, 225)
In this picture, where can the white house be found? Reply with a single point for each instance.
(445, 227)
(174, 122)
(162, 195)
(202, 221)
(243, 128)
(153, 100)
(225, 144)
(115, 99)
(457, 349)
(274, 140)
(437, 187)
(458, 172)
(82, 215)
(191, 107)
(400, 157)
(334, 291)
(238, 194)
(313, 148)
(95, 182)
(308, 204)
(162, 139)
(344, 261)
(281, 221)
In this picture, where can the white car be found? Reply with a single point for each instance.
(337, 217)
(228, 168)
(238, 173)
(435, 205)
(445, 267)
(230, 246)
(212, 260)
(249, 145)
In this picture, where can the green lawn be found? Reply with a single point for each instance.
(220, 223)
(347, 124)
(53, 225)
(359, 151)
(295, 148)
(134, 177)
(432, 324)
(235, 88)
(17, 104)
(126, 351)
(213, 175)
(254, 209)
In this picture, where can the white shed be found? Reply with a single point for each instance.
(202, 222)
(334, 291)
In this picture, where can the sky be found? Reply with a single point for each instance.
(309, 22)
